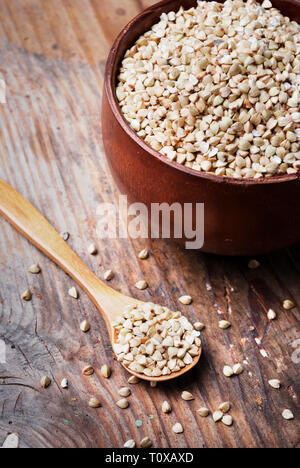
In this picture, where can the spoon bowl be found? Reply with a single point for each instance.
(110, 303)
(162, 378)
(172, 376)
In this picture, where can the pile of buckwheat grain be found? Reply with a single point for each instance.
(154, 341)
(216, 88)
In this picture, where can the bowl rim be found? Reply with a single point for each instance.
(112, 65)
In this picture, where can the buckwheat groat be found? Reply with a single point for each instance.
(215, 88)
(155, 341)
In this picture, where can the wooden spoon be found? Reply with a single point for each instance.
(111, 304)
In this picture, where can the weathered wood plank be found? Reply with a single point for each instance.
(52, 55)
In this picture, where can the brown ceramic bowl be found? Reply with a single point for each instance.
(242, 216)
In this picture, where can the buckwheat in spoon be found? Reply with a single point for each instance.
(152, 342)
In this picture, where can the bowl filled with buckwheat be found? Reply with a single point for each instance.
(202, 105)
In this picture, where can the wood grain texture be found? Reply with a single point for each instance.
(52, 56)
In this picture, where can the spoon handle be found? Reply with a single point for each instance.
(26, 219)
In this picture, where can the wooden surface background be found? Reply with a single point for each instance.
(52, 57)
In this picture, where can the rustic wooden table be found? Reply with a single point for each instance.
(52, 57)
